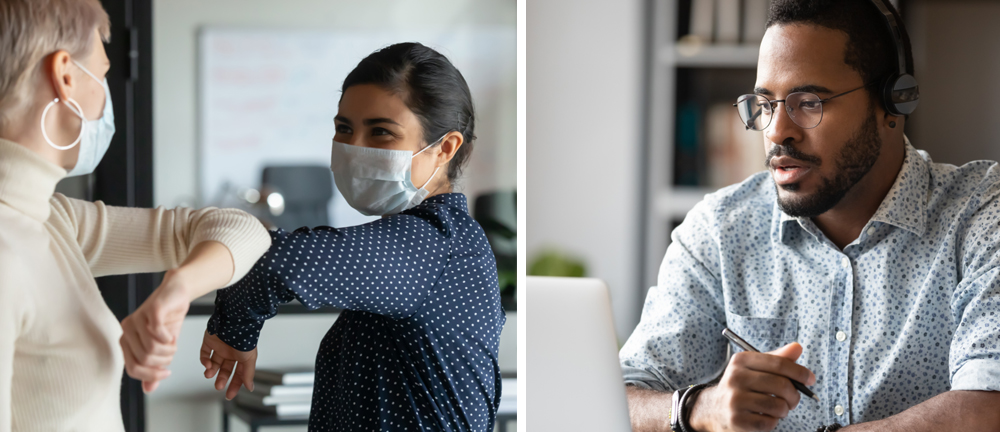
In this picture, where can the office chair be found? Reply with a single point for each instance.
(303, 195)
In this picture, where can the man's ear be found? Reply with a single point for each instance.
(448, 147)
(893, 121)
(57, 67)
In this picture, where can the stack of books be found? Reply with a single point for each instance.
(285, 392)
(508, 397)
(725, 21)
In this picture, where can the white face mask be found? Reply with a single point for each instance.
(376, 182)
(95, 135)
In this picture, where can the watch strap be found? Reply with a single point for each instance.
(686, 403)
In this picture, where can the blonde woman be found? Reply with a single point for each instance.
(61, 349)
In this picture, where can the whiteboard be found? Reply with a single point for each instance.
(268, 97)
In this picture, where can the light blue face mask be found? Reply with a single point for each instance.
(376, 182)
(95, 135)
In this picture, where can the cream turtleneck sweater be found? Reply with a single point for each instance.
(60, 361)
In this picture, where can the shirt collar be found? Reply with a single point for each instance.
(904, 206)
(27, 181)
(453, 199)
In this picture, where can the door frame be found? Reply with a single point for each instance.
(125, 175)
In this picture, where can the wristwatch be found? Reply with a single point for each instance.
(680, 407)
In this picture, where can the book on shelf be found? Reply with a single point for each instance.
(727, 21)
(256, 400)
(508, 396)
(285, 376)
(702, 16)
(733, 152)
(687, 151)
(754, 20)
(281, 390)
(286, 410)
(508, 388)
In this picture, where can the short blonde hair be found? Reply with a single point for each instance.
(33, 29)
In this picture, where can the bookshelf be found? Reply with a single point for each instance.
(705, 55)
(683, 75)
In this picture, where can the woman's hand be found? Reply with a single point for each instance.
(149, 338)
(149, 335)
(216, 356)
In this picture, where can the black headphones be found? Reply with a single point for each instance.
(900, 93)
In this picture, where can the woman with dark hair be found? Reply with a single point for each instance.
(415, 347)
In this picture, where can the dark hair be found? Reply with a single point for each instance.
(871, 48)
(430, 86)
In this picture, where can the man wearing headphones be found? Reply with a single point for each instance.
(858, 266)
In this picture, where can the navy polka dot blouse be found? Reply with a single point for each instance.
(415, 347)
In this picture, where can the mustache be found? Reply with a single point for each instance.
(792, 152)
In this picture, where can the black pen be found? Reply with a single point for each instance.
(747, 347)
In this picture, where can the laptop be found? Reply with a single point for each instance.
(576, 381)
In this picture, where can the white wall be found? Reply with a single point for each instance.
(584, 77)
(175, 28)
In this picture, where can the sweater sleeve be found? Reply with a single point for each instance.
(388, 267)
(12, 315)
(124, 240)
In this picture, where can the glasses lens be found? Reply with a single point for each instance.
(805, 109)
(755, 111)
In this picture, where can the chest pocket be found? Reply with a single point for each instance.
(765, 334)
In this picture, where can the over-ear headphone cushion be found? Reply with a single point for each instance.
(901, 94)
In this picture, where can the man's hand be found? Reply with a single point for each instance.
(149, 335)
(754, 393)
(216, 356)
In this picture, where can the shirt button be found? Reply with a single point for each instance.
(839, 410)
(871, 231)
(846, 262)
(841, 336)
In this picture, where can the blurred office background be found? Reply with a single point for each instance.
(630, 120)
(231, 103)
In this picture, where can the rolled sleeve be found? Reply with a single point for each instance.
(676, 342)
(977, 375)
(975, 349)
(647, 379)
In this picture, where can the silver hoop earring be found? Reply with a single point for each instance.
(78, 111)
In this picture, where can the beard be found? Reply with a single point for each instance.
(856, 159)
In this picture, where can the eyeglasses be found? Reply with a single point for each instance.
(805, 109)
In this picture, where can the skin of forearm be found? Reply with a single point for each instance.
(649, 410)
(959, 410)
(208, 267)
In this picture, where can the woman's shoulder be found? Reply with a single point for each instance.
(447, 213)
(14, 269)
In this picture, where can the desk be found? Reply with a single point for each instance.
(503, 419)
(256, 419)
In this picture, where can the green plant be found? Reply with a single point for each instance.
(496, 212)
(556, 263)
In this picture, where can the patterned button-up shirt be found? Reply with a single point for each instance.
(908, 310)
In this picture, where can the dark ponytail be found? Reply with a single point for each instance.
(430, 86)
